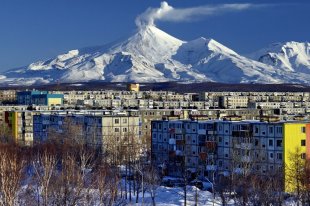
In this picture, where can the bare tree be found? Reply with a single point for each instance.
(152, 181)
(6, 134)
(306, 181)
(11, 173)
(44, 166)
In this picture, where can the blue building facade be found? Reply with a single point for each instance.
(39, 98)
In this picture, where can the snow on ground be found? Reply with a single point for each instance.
(167, 196)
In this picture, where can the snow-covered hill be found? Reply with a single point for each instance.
(292, 57)
(151, 55)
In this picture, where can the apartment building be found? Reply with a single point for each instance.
(39, 98)
(7, 95)
(95, 128)
(233, 102)
(20, 123)
(213, 148)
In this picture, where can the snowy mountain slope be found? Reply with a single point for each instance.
(151, 55)
(222, 64)
(292, 57)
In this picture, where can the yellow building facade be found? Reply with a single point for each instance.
(294, 153)
(21, 126)
(134, 87)
(54, 101)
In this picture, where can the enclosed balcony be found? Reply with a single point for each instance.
(211, 145)
(211, 167)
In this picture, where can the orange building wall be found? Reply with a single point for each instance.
(308, 141)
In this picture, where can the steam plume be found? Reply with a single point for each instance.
(167, 13)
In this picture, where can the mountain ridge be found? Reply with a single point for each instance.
(152, 55)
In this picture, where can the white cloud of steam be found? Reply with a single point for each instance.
(168, 13)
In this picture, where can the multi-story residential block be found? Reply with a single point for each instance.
(21, 124)
(95, 128)
(296, 142)
(39, 98)
(214, 148)
(7, 95)
(105, 103)
(233, 102)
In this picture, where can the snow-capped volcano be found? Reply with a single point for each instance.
(151, 55)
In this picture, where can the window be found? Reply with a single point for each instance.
(279, 143)
(188, 138)
(270, 143)
(256, 142)
(279, 156)
(116, 121)
(220, 127)
(116, 129)
(303, 155)
(193, 128)
(256, 129)
(124, 129)
(271, 130)
(159, 126)
(303, 142)
(271, 155)
(303, 129)
(179, 137)
(125, 121)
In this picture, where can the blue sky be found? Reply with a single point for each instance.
(39, 29)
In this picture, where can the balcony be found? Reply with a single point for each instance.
(211, 132)
(246, 145)
(211, 145)
(175, 130)
(172, 141)
(180, 142)
(202, 131)
(246, 159)
(211, 167)
(179, 153)
(172, 154)
(242, 133)
(203, 156)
